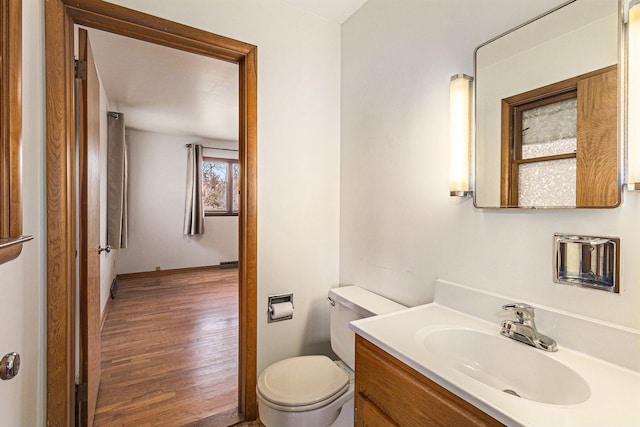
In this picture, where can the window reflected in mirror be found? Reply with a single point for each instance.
(544, 152)
(559, 143)
(565, 152)
(549, 129)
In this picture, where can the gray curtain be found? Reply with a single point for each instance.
(194, 209)
(117, 182)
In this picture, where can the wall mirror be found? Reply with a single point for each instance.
(547, 111)
(11, 237)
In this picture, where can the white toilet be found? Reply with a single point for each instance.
(310, 391)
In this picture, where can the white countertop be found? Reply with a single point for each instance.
(614, 398)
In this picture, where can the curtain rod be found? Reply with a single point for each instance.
(213, 148)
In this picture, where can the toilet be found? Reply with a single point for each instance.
(311, 391)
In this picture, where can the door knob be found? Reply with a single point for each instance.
(9, 366)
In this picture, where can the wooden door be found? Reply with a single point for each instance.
(597, 154)
(89, 241)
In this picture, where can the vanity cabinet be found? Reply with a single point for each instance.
(390, 393)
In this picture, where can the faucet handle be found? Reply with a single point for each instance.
(523, 312)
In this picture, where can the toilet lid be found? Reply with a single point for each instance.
(302, 381)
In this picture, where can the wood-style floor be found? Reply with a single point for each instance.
(170, 351)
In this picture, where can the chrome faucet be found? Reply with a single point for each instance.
(524, 328)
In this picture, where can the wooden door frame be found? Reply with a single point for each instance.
(11, 237)
(60, 18)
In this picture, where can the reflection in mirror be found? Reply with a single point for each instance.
(541, 150)
(11, 238)
(546, 106)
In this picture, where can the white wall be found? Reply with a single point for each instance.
(157, 187)
(298, 157)
(22, 281)
(400, 230)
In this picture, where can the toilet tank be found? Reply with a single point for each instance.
(352, 303)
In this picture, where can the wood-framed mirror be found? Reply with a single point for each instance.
(11, 237)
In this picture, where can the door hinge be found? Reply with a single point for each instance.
(80, 69)
(81, 392)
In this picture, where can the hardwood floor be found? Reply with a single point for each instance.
(170, 351)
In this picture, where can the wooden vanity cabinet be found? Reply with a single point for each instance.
(390, 393)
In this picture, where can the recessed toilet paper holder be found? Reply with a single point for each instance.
(589, 261)
(280, 307)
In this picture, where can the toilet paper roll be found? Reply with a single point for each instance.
(573, 259)
(281, 309)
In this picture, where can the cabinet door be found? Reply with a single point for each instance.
(369, 415)
(408, 398)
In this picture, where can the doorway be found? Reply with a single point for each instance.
(60, 18)
(168, 309)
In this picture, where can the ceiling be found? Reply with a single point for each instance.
(166, 90)
(333, 10)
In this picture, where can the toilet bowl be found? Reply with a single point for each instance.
(304, 391)
(311, 391)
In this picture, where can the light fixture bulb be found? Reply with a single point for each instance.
(460, 136)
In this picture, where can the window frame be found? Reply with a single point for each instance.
(230, 185)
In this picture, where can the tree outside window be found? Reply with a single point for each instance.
(220, 186)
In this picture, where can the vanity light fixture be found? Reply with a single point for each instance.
(633, 96)
(460, 130)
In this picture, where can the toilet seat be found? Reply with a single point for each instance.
(302, 383)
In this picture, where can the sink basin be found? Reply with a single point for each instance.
(456, 343)
(506, 365)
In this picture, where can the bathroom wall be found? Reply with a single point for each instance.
(298, 157)
(157, 187)
(400, 230)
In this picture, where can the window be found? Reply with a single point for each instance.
(559, 144)
(544, 152)
(220, 186)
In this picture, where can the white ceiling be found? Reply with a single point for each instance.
(333, 10)
(166, 90)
